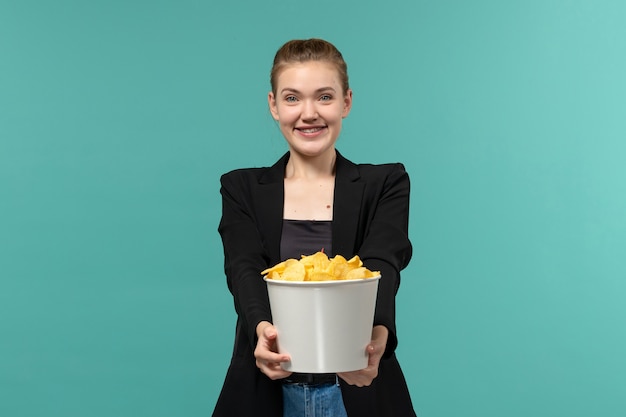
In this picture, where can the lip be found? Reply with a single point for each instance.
(311, 131)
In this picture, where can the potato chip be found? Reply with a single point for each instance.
(318, 267)
(280, 268)
(359, 273)
(273, 275)
(355, 261)
(321, 276)
(294, 271)
(319, 261)
(339, 267)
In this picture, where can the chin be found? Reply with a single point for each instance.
(313, 152)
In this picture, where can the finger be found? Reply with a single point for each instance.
(375, 353)
(361, 378)
(358, 382)
(347, 377)
(273, 370)
(270, 332)
(267, 356)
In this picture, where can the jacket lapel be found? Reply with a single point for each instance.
(347, 206)
(269, 198)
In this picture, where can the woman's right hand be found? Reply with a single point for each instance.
(268, 359)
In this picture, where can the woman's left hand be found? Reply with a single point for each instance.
(375, 349)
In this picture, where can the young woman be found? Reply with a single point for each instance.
(312, 198)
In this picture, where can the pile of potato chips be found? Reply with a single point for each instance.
(318, 267)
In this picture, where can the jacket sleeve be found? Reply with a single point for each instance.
(244, 255)
(386, 246)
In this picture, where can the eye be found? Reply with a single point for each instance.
(326, 97)
(291, 99)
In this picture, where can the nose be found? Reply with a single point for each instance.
(309, 110)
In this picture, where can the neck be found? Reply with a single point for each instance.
(303, 167)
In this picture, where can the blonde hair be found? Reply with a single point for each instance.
(303, 50)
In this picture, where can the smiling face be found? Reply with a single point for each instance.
(309, 105)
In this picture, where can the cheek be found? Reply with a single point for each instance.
(287, 115)
(337, 114)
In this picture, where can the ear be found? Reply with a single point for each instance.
(271, 101)
(347, 104)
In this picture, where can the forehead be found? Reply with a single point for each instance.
(310, 75)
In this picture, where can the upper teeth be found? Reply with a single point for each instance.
(311, 130)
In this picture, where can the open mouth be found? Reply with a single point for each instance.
(310, 130)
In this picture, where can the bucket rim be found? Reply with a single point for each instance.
(320, 283)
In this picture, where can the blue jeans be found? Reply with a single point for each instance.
(305, 400)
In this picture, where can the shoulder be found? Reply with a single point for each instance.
(391, 168)
(240, 182)
(385, 179)
(388, 174)
(242, 175)
(260, 175)
(368, 172)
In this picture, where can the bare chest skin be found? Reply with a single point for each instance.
(309, 199)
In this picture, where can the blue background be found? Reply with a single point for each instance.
(117, 118)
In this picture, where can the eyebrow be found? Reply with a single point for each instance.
(293, 90)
